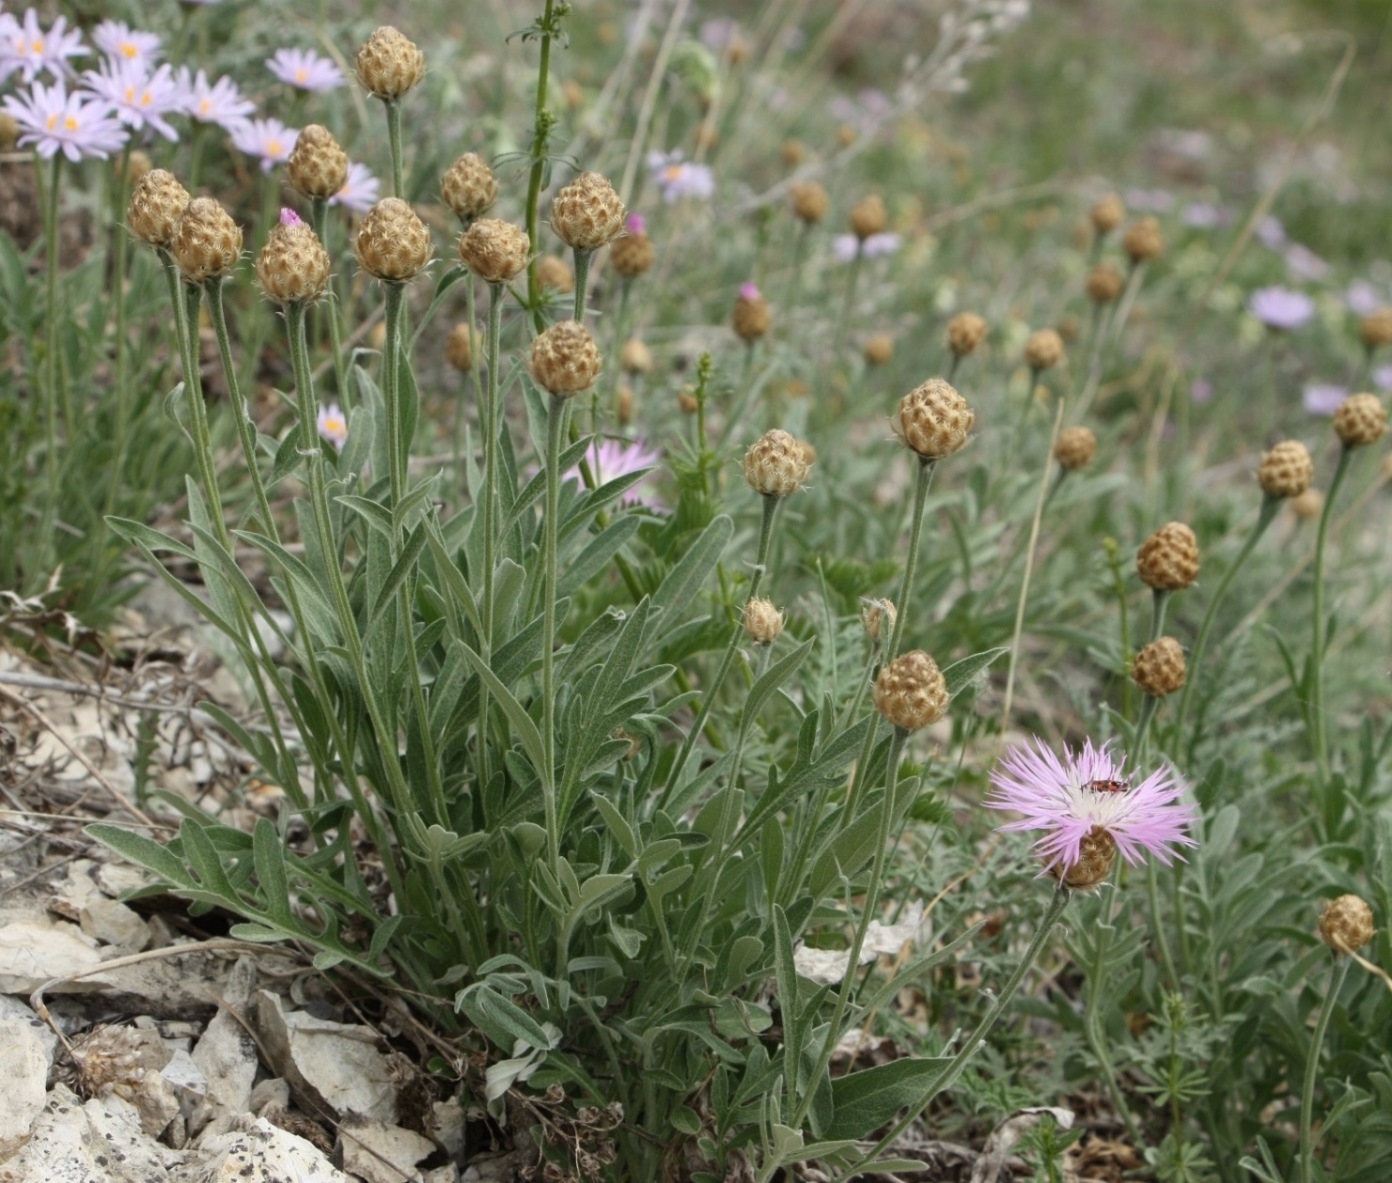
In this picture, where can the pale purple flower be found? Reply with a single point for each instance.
(118, 40)
(1204, 215)
(611, 458)
(1382, 377)
(55, 121)
(332, 422)
(1281, 308)
(220, 103)
(304, 69)
(749, 291)
(1363, 299)
(678, 178)
(27, 47)
(289, 217)
(845, 247)
(1090, 789)
(1150, 201)
(1304, 263)
(1271, 233)
(359, 191)
(1323, 398)
(139, 98)
(267, 138)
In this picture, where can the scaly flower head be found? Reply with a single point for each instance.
(304, 69)
(333, 424)
(138, 97)
(678, 178)
(26, 47)
(118, 40)
(221, 102)
(267, 138)
(53, 120)
(1281, 308)
(360, 190)
(1089, 794)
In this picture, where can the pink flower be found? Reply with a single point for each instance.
(1068, 798)
(289, 217)
(28, 48)
(332, 424)
(636, 224)
(749, 291)
(1281, 308)
(359, 192)
(220, 103)
(267, 138)
(611, 458)
(304, 69)
(139, 98)
(118, 40)
(74, 124)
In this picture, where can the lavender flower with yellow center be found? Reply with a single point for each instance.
(304, 69)
(333, 425)
(138, 96)
(219, 102)
(117, 39)
(54, 121)
(28, 48)
(267, 138)
(359, 191)
(1086, 804)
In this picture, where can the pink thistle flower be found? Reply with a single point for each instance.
(28, 48)
(267, 138)
(636, 224)
(610, 458)
(220, 102)
(304, 69)
(138, 97)
(332, 423)
(1085, 792)
(118, 40)
(55, 121)
(749, 291)
(359, 192)
(289, 217)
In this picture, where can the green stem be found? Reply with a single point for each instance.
(198, 412)
(1318, 724)
(1159, 602)
(119, 191)
(582, 279)
(319, 219)
(492, 420)
(1307, 1093)
(540, 135)
(51, 367)
(1266, 515)
(926, 468)
(397, 446)
(394, 138)
(555, 441)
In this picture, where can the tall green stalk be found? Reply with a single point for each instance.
(491, 416)
(547, 26)
(51, 366)
(1307, 1092)
(555, 441)
(1319, 734)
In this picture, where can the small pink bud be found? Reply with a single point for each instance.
(749, 291)
(637, 224)
(289, 217)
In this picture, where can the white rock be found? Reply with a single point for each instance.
(334, 1064)
(33, 952)
(114, 924)
(258, 1152)
(226, 1053)
(190, 1085)
(447, 1126)
(25, 1058)
(97, 1142)
(366, 1143)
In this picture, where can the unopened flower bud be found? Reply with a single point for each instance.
(156, 205)
(965, 332)
(879, 349)
(1346, 923)
(911, 691)
(207, 243)
(792, 152)
(1075, 448)
(810, 201)
(494, 251)
(1105, 284)
(1361, 419)
(318, 166)
(1375, 329)
(459, 347)
(587, 213)
(632, 254)
(751, 318)
(393, 244)
(554, 275)
(635, 357)
(1143, 241)
(1308, 505)
(565, 359)
(1286, 470)
(389, 64)
(763, 623)
(293, 267)
(868, 217)
(469, 187)
(1169, 559)
(1159, 668)
(878, 617)
(1043, 350)
(933, 420)
(624, 406)
(1107, 214)
(776, 464)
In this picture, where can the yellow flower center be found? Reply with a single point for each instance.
(38, 45)
(70, 123)
(334, 425)
(52, 122)
(128, 50)
(673, 172)
(301, 74)
(130, 94)
(204, 106)
(273, 148)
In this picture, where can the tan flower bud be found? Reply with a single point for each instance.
(846, 135)
(632, 255)
(1286, 470)
(624, 408)
(1075, 448)
(293, 267)
(9, 132)
(1309, 505)
(1361, 419)
(1143, 240)
(565, 359)
(318, 165)
(1107, 214)
(207, 243)
(137, 166)
(1043, 350)
(763, 623)
(792, 152)
(1159, 668)
(751, 318)
(879, 349)
(965, 332)
(1105, 284)
(393, 243)
(389, 64)
(495, 251)
(469, 187)
(156, 205)
(911, 692)
(1169, 559)
(687, 402)
(1346, 923)
(810, 201)
(635, 357)
(933, 419)
(878, 617)
(460, 347)
(1375, 329)
(555, 275)
(587, 213)
(1096, 855)
(776, 464)
(868, 217)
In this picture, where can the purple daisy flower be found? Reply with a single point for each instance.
(1323, 398)
(304, 69)
(267, 138)
(1281, 308)
(118, 40)
(28, 48)
(1087, 795)
(611, 458)
(220, 102)
(55, 121)
(359, 191)
(678, 178)
(1382, 377)
(333, 425)
(138, 97)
